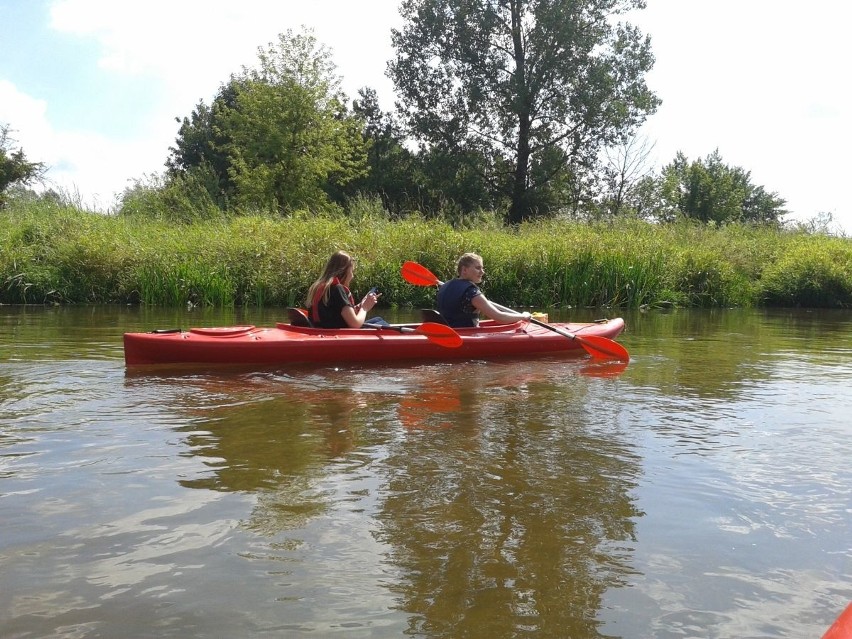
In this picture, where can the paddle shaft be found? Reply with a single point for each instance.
(434, 332)
(595, 345)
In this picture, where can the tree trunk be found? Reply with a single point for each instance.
(519, 209)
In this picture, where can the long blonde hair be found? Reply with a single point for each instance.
(337, 266)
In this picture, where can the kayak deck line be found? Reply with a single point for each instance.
(287, 343)
(310, 330)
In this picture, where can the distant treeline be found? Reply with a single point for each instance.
(527, 111)
(282, 137)
(52, 253)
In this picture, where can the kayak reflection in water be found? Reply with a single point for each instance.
(330, 300)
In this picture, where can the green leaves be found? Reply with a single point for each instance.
(278, 136)
(519, 83)
(710, 191)
(14, 166)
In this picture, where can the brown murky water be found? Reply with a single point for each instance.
(704, 490)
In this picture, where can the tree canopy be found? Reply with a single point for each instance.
(391, 166)
(515, 108)
(529, 89)
(708, 190)
(277, 136)
(15, 169)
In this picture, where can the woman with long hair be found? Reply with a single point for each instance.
(330, 300)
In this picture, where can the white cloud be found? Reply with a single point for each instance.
(194, 45)
(188, 48)
(760, 81)
(79, 162)
(26, 117)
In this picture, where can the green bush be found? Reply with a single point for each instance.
(815, 272)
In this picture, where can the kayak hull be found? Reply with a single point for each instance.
(288, 344)
(842, 627)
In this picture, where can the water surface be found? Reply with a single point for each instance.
(704, 490)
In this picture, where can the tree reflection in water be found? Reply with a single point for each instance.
(518, 519)
(503, 502)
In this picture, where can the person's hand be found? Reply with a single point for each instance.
(526, 315)
(370, 301)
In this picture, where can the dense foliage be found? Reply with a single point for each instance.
(710, 191)
(15, 169)
(528, 115)
(277, 137)
(50, 253)
(527, 92)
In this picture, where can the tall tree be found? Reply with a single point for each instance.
(15, 169)
(290, 134)
(708, 190)
(201, 146)
(626, 173)
(535, 87)
(279, 135)
(391, 164)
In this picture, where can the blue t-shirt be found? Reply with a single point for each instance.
(455, 303)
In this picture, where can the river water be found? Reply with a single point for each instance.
(704, 490)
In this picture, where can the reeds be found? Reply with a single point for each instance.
(51, 253)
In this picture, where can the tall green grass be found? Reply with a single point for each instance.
(51, 253)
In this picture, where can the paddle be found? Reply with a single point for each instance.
(595, 345)
(438, 333)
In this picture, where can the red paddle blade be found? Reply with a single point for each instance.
(603, 347)
(595, 345)
(419, 275)
(440, 334)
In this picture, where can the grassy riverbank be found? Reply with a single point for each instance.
(55, 254)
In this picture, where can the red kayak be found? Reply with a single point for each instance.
(289, 344)
(842, 627)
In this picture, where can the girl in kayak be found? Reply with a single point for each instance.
(460, 302)
(331, 302)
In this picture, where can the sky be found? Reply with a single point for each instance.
(92, 88)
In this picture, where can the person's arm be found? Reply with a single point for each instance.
(355, 316)
(485, 307)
